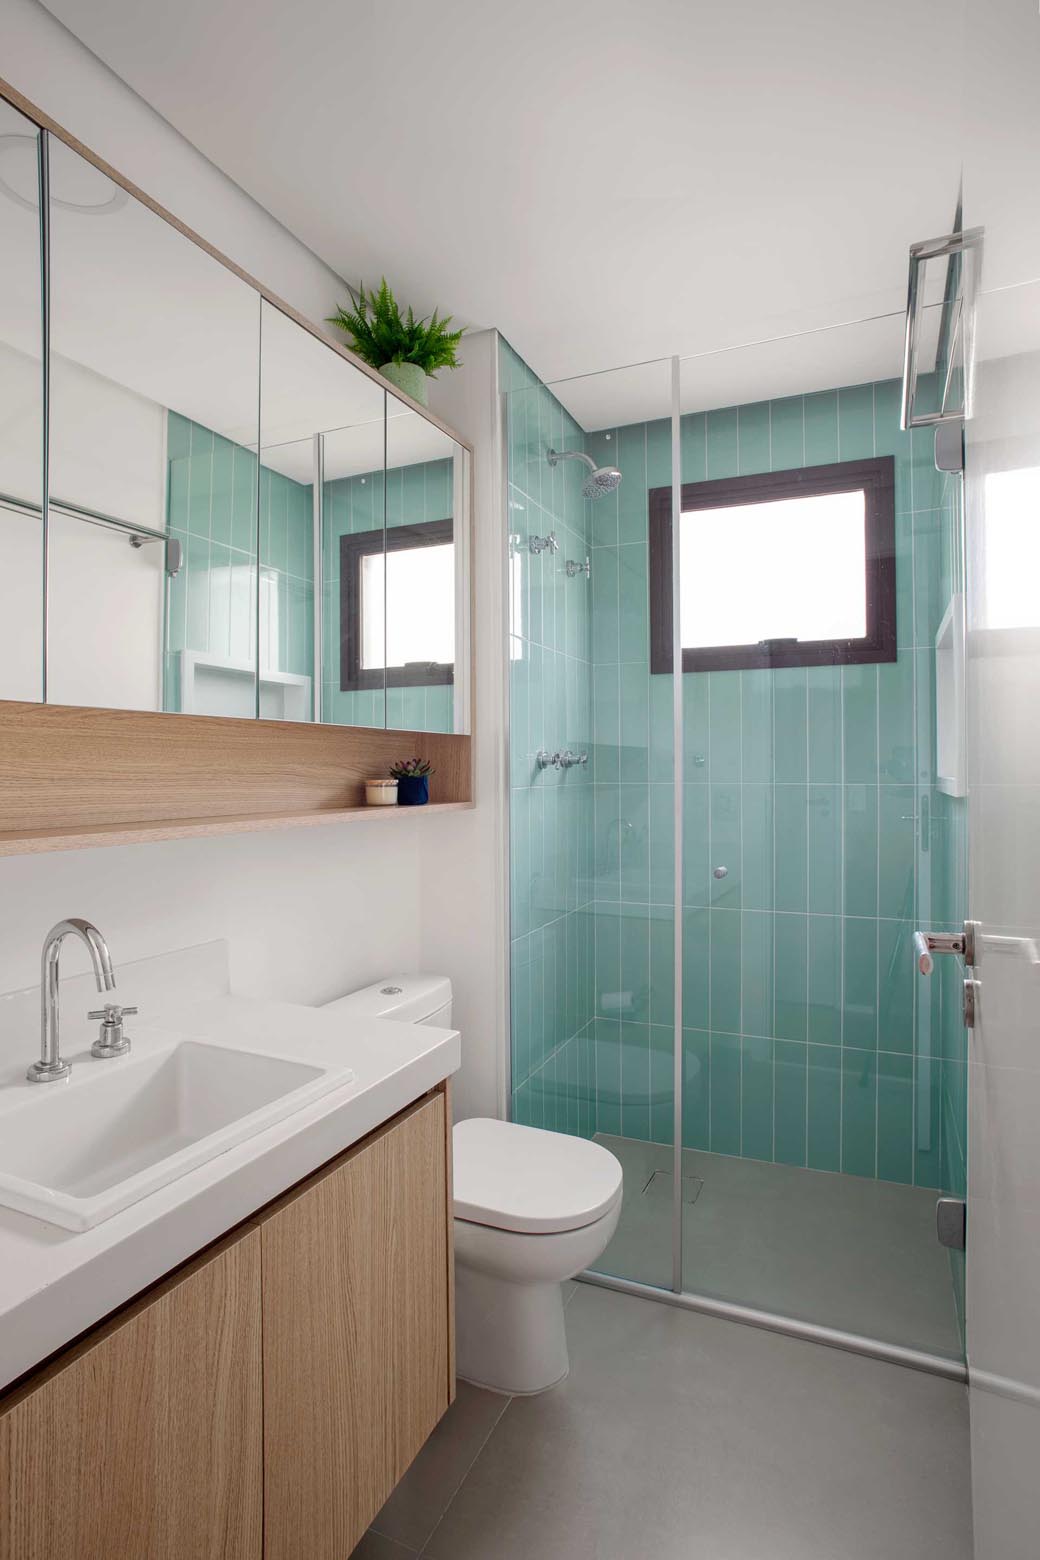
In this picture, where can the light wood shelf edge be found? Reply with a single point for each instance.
(18, 843)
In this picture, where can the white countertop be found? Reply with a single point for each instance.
(54, 1284)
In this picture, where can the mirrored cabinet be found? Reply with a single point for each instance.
(206, 507)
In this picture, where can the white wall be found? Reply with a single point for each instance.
(308, 913)
(464, 866)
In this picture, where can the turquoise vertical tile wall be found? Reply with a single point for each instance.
(808, 1038)
(212, 510)
(407, 495)
(553, 947)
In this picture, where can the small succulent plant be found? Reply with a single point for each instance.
(407, 768)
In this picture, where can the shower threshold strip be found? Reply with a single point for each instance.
(809, 1332)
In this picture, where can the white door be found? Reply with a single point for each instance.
(1002, 513)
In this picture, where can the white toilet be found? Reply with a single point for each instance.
(532, 1209)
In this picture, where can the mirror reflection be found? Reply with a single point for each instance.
(21, 414)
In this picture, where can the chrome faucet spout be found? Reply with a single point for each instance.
(50, 1066)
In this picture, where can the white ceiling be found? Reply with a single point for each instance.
(606, 183)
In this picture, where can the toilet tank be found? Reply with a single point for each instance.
(410, 999)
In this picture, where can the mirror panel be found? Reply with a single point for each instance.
(415, 591)
(154, 375)
(322, 457)
(21, 413)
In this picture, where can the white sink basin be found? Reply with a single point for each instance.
(74, 1154)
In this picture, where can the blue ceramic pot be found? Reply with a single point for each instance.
(413, 790)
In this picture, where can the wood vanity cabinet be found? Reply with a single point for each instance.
(145, 1442)
(261, 1403)
(356, 1318)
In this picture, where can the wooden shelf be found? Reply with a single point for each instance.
(74, 779)
(23, 843)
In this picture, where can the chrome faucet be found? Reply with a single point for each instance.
(50, 1067)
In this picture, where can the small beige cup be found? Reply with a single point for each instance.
(381, 793)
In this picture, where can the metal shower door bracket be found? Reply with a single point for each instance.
(951, 1223)
(962, 305)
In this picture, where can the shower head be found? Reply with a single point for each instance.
(600, 480)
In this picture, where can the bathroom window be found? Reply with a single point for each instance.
(783, 568)
(397, 607)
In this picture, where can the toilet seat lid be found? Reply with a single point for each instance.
(522, 1178)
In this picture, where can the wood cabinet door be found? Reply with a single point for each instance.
(356, 1332)
(145, 1442)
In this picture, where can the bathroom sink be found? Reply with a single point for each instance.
(75, 1154)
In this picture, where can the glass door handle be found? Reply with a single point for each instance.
(927, 944)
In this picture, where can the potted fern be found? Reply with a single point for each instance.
(404, 350)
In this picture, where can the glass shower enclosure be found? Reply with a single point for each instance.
(716, 878)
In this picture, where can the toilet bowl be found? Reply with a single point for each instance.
(532, 1209)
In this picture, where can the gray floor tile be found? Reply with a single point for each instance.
(375, 1547)
(678, 1436)
(842, 1250)
(421, 1498)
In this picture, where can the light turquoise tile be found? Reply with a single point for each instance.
(790, 959)
(821, 428)
(243, 502)
(662, 968)
(861, 849)
(695, 969)
(927, 1133)
(724, 719)
(659, 451)
(756, 973)
(753, 437)
(790, 847)
(787, 434)
(790, 721)
(607, 1048)
(823, 1146)
(697, 878)
(856, 422)
(904, 558)
(897, 835)
(634, 717)
(692, 435)
(635, 1081)
(896, 974)
(695, 726)
(608, 961)
(825, 961)
(756, 718)
(440, 477)
(662, 727)
(725, 1093)
(858, 1112)
(825, 864)
(634, 967)
(726, 848)
(725, 971)
(756, 1097)
(606, 724)
(896, 720)
(196, 589)
(605, 604)
(178, 436)
(861, 983)
(696, 1127)
(859, 693)
(825, 722)
(200, 490)
(177, 494)
(723, 444)
(926, 482)
(895, 1118)
(662, 1083)
(633, 621)
(924, 690)
(757, 840)
(222, 496)
(930, 601)
(791, 1093)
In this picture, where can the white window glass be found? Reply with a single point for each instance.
(791, 569)
(420, 594)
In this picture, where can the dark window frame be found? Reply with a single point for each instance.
(353, 549)
(876, 479)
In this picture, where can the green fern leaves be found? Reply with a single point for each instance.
(381, 334)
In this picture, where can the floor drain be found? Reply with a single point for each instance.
(660, 1186)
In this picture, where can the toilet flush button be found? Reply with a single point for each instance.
(390, 991)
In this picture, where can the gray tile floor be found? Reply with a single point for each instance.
(678, 1436)
(841, 1250)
